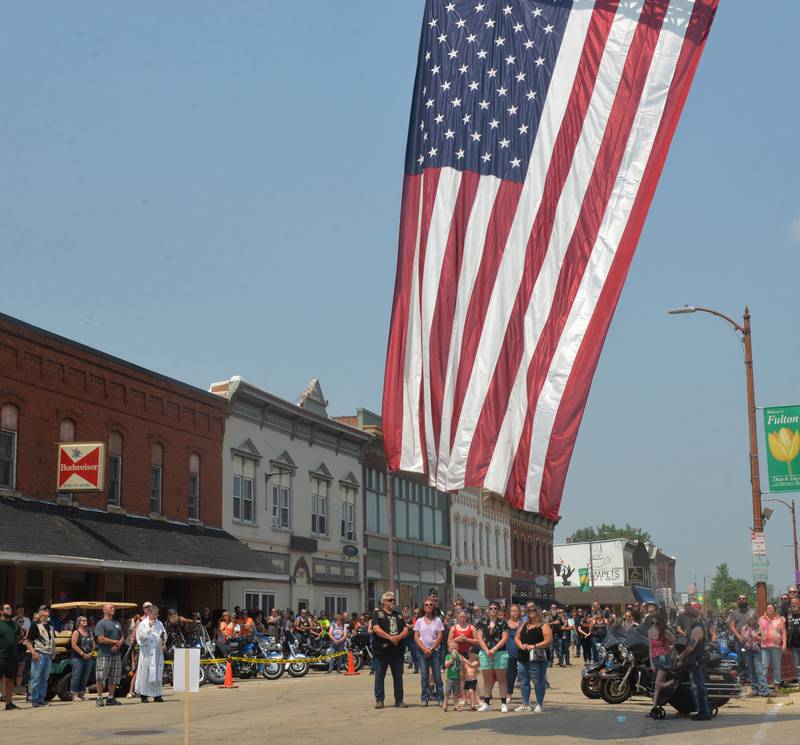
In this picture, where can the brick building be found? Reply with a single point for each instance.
(531, 557)
(154, 531)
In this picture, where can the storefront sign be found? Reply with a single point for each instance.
(81, 466)
(635, 575)
(782, 429)
(607, 563)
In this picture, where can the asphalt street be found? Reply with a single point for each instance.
(333, 708)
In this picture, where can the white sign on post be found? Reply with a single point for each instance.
(183, 668)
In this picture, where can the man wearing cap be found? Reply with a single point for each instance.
(41, 644)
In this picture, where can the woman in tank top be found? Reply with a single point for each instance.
(463, 633)
(534, 638)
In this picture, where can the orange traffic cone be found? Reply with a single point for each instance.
(228, 676)
(351, 668)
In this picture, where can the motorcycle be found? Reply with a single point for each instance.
(244, 655)
(631, 675)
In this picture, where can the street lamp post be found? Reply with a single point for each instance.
(755, 480)
(794, 527)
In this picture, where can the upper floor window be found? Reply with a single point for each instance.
(9, 421)
(114, 495)
(497, 547)
(66, 431)
(244, 476)
(281, 499)
(348, 527)
(480, 542)
(488, 547)
(474, 547)
(156, 472)
(505, 547)
(319, 506)
(457, 537)
(194, 486)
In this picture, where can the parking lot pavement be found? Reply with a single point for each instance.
(340, 709)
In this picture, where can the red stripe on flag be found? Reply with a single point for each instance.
(573, 402)
(444, 312)
(398, 328)
(595, 203)
(496, 401)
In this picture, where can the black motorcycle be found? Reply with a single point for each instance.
(609, 655)
(631, 675)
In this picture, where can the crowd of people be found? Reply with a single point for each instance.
(462, 654)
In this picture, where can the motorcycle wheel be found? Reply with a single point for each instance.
(215, 674)
(273, 670)
(297, 669)
(614, 691)
(590, 687)
(358, 661)
(62, 687)
(203, 675)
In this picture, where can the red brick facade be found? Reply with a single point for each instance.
(531, 556)
(49, 379)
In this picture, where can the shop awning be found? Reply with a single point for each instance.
(43, 533)
(471, 596)
(603, 595)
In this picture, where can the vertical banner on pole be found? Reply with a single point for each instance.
(782, 429)
(186, 678)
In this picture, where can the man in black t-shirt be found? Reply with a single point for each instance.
(388, 646)
(10, 635)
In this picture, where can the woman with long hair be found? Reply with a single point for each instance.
(773, 644)
(661, 640)
(534, 638)
(513, 622)
(492, 638)
(584, 629)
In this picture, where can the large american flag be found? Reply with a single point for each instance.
(538, 133)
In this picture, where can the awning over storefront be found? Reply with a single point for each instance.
(471, 596)
(42, 533)
(603, 595)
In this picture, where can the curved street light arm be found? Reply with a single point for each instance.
(733, 323)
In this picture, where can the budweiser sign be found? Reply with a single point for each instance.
(81, 466)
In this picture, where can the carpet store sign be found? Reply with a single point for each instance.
(81, 466)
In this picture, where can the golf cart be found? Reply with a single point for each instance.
(61, 670)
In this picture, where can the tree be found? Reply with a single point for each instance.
(725, 589)
(606, 532)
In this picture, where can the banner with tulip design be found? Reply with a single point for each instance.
(782, 428)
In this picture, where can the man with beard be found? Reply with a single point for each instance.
(388, 643)
(10, 634)
(737, 620)
(693, 657)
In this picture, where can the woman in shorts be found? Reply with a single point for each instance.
(661, 641)
(493, 657)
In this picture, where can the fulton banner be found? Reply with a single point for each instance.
(782, 430)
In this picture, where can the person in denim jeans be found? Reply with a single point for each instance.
(533, 639)
(82, 643)
(337, 633)
(693, 656)
(428, 635)
(792, 621)
(773, 642)
(411, 645)
(751, 648)
(389, 632)
(41, 644)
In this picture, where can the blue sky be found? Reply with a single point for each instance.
(212, 189)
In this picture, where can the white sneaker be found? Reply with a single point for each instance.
(484, 707)
(504, 707)
(538, 709)
(524, 707)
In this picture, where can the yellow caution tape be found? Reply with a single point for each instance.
(268, 660)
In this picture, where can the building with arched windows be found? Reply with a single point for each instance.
(154, 529)
(480, 549)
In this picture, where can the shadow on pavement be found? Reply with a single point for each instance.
(602, 724)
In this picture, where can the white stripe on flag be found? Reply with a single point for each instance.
(570, 200)
(438, 234)
(632, 168)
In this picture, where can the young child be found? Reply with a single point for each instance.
(471, 667)
(453, 663)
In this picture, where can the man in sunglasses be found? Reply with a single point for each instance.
(10, 634)
(388, 647)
